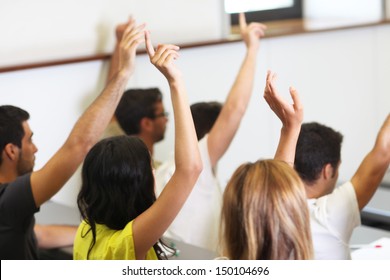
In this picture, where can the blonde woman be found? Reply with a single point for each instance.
(264, 213)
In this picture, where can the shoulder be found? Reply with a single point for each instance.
(338, 208)
(18, 190)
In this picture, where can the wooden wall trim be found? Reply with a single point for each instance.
(275, 29)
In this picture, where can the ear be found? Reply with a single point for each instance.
(146, 124)
(328, 171)
(11, 151)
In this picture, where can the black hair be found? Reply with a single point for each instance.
(317, 146)
(204, 115)
(117, 184)
(11, 127)
(134, 105)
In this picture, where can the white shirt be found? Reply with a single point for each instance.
(333, 218)
(198, 221)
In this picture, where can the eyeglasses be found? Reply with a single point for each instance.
(160, 115)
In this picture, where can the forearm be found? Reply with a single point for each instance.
(92, 123)
(373, 167)
(234, 108)
(241, 91)
(55, 236)
(287, 144)
(369, 176)
(114, 63)
(186, 145)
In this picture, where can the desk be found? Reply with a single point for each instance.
(55, 213)
(377, 212)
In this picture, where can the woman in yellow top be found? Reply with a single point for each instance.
(122, 218)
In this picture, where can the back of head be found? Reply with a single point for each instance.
(264, 214)
(134, 105)
(204, 115)
(117, 182)
(11, 127)
(317, 146)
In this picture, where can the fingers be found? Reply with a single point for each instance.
(296, 99)
(148, 45)
(165, 54)
(270, 92)
(257, 28)
(162, 54)
(132, 37)
(270, 83)
(242, 21)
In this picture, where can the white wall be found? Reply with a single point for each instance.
(343, 81)
(42, 30)
(362, 9)
(387, 12)
(341, 75)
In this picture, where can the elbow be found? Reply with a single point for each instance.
(198, 168)
(192, 170)
(382, 154)
(195, 169)
(80, 146)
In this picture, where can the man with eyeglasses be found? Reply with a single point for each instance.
(140, 112)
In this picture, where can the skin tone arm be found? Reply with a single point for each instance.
(373, 167)
(55, 236)
(119, 30)
(88, 129)
(151, 224)
(291, 116)
(228, 121)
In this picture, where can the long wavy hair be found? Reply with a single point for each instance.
(117, 184)
(265, 214)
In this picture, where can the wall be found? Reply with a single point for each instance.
(41, 30)
(341, 78)
(367, 9)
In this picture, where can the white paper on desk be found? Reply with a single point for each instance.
(377, 250)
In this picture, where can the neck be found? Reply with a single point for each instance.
(7, 176)
(313, 190)
(148, 142)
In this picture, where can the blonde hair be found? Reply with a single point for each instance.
(265, 214)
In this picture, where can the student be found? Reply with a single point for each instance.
(140, 113)
(216, 125)
(335, 212)
(122, 218)
(22, 190)
(264, 213)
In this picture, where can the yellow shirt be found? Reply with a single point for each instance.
(110, 244)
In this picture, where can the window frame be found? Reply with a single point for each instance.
(296, 11)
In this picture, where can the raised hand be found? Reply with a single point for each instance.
(163, 58)
(251, 33)
(133, 36)
(120, 28)
(291, 115)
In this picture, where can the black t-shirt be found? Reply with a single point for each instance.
(17, 209)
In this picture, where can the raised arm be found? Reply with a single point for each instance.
(228, 121)
(373, 167)
(89, 127)
(291, 116)
(150, 225)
